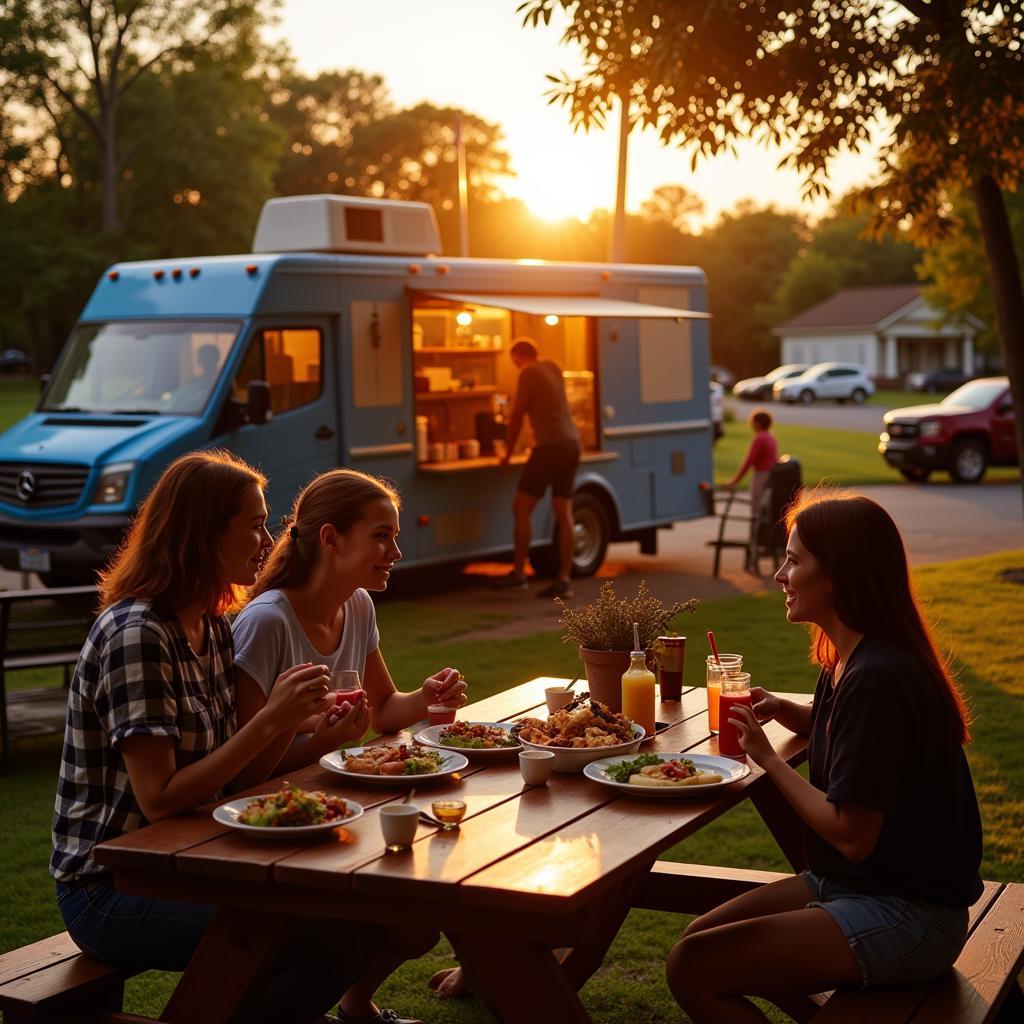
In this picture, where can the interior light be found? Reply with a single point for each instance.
(464, 319)
(551, 320)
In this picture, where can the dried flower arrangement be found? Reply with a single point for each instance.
(607, 623)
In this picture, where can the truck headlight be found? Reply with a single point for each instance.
(931, 428)
(113, 483)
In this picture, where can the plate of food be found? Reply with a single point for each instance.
(394, 764)
(665, 775)
(290, 813)
(474, 739)
(583, 731)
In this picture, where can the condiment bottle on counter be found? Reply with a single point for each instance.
(735, 690)
(638, 684)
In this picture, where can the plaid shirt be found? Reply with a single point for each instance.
(136, 676)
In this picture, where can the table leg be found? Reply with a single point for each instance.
(236, 953)
(520, 982)
(785, 825)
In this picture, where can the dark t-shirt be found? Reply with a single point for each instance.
(878, 740)
(540, 394)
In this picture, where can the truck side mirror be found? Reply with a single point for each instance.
(258, 405)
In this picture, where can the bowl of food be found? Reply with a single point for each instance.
(583, 731)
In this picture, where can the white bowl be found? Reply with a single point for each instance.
(575, 759)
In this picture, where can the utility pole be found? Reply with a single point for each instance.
(617, 242)
(460, 149)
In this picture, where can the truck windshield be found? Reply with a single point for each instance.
(976, 394)
(167, 366)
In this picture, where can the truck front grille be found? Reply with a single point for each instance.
(38, 485)
(902, 430)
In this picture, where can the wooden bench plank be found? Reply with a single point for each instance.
(36, 957)
(697, 888)
(76, 979)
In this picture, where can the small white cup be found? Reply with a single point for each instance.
(557, 697)
(536, 766)
(399, 822)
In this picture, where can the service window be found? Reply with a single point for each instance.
(289, 359)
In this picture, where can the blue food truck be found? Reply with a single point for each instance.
(342, 341)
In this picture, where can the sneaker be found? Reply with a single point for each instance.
(380, 1017)
(557, 588)
(513, 581)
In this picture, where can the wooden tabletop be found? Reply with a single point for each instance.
(527, 862)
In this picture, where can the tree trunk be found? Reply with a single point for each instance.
(110, 221)
(1007, 291)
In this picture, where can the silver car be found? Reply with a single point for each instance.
(839, 382)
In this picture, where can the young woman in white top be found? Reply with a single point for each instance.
(310, 605)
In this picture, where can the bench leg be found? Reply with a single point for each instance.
(1012, 1010)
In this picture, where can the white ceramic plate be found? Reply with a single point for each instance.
(335, 762)
(574, 759)
(227, 814)
(730, 770)
(431, 737)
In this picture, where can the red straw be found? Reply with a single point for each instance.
(714, 649)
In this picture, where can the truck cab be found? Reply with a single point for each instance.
(342, 340)
(971, 429)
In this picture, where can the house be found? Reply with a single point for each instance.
(890, 329)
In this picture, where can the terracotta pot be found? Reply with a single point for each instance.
(604, 675)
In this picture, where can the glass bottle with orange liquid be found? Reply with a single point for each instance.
(638, 684)
(717, 667)
(735, 690)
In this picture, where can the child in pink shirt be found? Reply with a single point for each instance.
(761, 456)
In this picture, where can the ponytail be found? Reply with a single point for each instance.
(338, 498)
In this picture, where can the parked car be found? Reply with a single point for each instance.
(717, 408)
(841, 382)
(759, 389)
(935, 382)
(13, 360)
(965, 433)
(722, 375)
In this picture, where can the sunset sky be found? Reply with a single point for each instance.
(475, 54)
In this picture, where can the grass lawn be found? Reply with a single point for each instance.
(893, 399)
(979, 617)
(18, 397)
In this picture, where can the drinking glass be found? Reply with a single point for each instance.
(449, 813)
(345, 679)
(725, 664)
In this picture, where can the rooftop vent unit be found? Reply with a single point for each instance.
(346, 224)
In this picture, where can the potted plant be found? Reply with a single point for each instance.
(603, 632)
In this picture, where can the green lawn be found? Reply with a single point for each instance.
(980, 618)
(893, 399)
(18, 397)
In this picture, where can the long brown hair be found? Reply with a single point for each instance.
(339, 498)
(860, 550)
(172, 551)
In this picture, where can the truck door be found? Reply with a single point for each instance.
(1004, 431)
(300, 440)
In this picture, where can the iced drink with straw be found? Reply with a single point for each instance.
(718, 665)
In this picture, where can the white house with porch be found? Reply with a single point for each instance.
(890, 329)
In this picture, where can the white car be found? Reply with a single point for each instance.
(759, 389)
(840, 382)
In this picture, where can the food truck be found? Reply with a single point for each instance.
(343, 341)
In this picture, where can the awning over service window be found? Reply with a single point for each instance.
(570, 305)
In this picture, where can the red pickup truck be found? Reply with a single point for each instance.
(968, 431)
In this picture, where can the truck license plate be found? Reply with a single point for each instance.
(34, 559)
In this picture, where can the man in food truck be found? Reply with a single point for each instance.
(540, 395)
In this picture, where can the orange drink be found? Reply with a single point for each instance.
(638, 684)
(725, 664)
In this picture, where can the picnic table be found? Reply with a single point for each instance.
(532, 871)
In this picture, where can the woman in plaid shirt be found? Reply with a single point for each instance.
(151, 729)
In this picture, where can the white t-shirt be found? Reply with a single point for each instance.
(269, 639)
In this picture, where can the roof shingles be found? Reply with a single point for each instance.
(854, 307)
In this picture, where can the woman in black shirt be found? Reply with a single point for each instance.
(894, 835)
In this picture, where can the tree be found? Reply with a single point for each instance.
(820, 76)
(674, 205)
(85, 57)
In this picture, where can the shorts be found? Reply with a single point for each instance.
(551, 465)
(896, 941)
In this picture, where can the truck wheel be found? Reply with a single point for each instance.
(917, 476)
(968, 462)
(807, 396)
(592, 532)
(858, 396)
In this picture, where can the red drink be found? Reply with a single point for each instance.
(671, 652)
(440, 714)
(671, 684)
(728, 734)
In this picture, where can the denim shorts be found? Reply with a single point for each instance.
(896, 941)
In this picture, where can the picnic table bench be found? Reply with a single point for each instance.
(532, 870)
(39, 629)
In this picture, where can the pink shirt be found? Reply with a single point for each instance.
(762, 454)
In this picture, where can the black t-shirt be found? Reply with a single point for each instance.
(878, 740)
